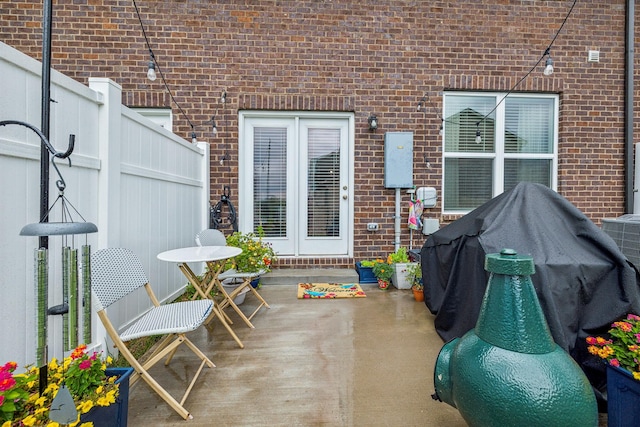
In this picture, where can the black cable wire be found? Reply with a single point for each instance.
(546, 52)
(153, 58)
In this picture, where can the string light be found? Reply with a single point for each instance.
(214, 128)
(155, 67)
(548, 66)
(223, 97)
(151, 72)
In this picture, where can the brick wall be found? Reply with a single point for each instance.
(343, 55)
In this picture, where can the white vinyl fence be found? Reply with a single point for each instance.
(145, 188)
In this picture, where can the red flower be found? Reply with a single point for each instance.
(78, 352)
(85, 364)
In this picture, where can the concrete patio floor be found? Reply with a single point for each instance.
(345, 362)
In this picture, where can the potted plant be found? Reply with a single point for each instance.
(400, 262)
(365, 271)
(257, 255)
(93, 387)
(415, 278)
(383, 273)
(622, 353)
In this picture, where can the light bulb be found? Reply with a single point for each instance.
(223, 97)
(151, 72)
(215, 130)
(194, 139)
(548, 69)
(419, 106)
(441, 132)
(374, 123)
(478, 137)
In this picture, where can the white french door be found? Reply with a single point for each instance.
(296, 181)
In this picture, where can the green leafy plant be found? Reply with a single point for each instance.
(399, 256)
(415, 274)
(622, 349)
(257, 255)
(369, 263)
(84, 375)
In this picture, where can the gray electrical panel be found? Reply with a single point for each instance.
(398, 159)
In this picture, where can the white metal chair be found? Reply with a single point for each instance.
(213, 237)
(210, 237)
(115, 273)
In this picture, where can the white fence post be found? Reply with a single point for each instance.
(109, 123)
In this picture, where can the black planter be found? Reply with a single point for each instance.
(113, 415)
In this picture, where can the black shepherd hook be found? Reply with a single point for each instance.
(44, 139)
(59, 154)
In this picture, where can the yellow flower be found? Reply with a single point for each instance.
(53, 424)
(636, 375)
(85, 406)
(41, 401)
(29, 421)
(6, 424)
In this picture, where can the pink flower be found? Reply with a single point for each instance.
(9, 367)
(623, 326)
(85, 364)
(614, 362)
(6, 382)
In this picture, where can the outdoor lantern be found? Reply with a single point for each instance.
(373, 123)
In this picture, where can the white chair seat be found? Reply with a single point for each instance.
(233, 274)
(176, 318)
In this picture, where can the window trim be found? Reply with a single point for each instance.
(499, 155)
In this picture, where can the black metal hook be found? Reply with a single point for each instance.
(45, 141)
(56, 154)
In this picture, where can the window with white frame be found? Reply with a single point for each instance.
(493, 141)
(159, 116)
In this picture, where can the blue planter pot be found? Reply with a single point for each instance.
(623, 398)
(365, 274)
(113, 415)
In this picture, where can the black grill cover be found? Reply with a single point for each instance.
(583, 281)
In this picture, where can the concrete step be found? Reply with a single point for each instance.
(293, 276)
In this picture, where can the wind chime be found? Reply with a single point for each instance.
(76, 296)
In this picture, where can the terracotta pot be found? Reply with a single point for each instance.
(418, 294)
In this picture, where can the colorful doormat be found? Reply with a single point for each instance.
(330, 290)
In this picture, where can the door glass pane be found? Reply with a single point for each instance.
(529, 125)
(464, 116)
(468, 183)
(527, 170)
(270, 180)
(323, 205)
